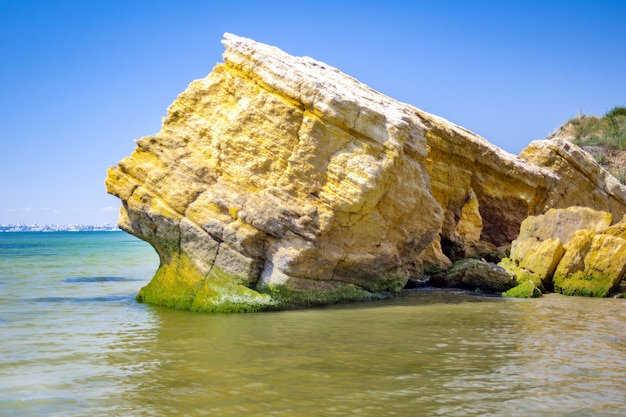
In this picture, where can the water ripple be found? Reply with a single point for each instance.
(100, 279)
(104, 298)
(75, 343)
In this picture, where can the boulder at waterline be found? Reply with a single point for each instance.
(576, 251)
(594, 264)
(476, 274)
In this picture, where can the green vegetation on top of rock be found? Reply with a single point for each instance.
(616, 111)
(608, 131)
(603, 137)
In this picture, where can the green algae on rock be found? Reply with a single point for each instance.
(178, 284)
(527, 289)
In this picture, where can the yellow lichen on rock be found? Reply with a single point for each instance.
(562, 224)
(618, 229)
(575, 252)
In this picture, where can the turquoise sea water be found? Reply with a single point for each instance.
(75, 343)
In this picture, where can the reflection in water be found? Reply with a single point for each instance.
(55, 355)
(430, 353)
(572, 356)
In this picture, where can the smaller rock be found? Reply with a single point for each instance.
(537, 251)
(479, 274)
(576, 251)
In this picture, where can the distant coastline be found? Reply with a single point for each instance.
(104, 227)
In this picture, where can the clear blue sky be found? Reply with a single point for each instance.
(80, 80)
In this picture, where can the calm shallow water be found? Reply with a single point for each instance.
(75, 343)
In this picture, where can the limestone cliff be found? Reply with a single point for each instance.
(279, 180)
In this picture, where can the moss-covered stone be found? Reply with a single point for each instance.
(526, 289)
(522, 275)
(180, 285)
(174, 285)
(221, 293)
(390, 283)
(581, 283)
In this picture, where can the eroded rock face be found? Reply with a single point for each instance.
(280, 180)
(281, 174)
(486, 193)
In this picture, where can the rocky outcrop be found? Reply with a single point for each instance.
(486, 193)
(575, 251)
(279, 180)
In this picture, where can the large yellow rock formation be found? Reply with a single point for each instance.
(278, 180)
